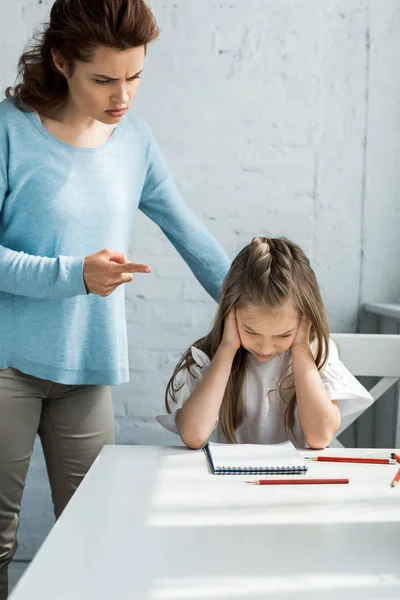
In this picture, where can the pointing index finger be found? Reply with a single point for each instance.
(135, 268)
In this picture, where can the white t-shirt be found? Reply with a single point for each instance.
(264, 422)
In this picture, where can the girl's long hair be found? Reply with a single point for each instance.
(75, 30)
(268, 272)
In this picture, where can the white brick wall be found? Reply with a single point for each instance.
(263, 109)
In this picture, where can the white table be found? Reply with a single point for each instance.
(151, 523)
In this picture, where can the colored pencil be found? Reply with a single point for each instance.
(396, 479)
(395, 456)
(345, 459)
(295, 481)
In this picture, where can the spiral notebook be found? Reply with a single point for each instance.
(237, 459)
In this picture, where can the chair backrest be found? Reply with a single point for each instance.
(375, 355)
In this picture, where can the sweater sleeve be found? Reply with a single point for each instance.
(34, 276)
(163, 204)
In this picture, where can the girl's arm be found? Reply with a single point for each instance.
(196, 419)
(319, 416)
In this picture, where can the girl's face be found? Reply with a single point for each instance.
(265, 333)
(103, 89)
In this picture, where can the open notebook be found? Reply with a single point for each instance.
(236, 459)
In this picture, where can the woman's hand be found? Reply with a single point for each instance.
(303, 332)
(104, 271)
(231, 336)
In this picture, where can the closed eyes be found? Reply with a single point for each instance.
(285, 335)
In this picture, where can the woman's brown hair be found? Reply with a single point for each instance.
(75, 29)
(268, 272)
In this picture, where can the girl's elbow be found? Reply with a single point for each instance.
(320, 440)
(194, 445)
(318, 443)
(193, 435)
(192, 438)
(194, 442)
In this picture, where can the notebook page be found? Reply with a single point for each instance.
(255, 455)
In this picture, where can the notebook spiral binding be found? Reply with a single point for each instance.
(257, 471)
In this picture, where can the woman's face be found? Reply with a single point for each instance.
(265, 333)
(104, 88)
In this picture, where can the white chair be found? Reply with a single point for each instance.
(369, 355)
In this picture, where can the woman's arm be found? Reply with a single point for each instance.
(163, 204)
(196, 419)
(41, 277)
(34, 276)
(54, 278)
(319, 416)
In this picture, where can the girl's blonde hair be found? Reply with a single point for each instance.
(268, 272)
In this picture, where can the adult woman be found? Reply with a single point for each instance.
(73, 171)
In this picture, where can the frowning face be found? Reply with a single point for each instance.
(104, 88)
(265, 333)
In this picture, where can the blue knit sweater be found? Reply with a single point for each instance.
(59, 203)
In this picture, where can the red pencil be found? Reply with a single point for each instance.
(395, 456)
(396, 479)
(295, 481)
(345, 459)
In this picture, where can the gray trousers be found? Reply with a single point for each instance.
(73, 423)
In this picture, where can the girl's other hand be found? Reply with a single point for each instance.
(303, 332)
(231, 336)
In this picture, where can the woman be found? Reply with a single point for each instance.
(74, 168)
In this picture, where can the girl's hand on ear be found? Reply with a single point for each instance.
(303, 332)
(231, 336)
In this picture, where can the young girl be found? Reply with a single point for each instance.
(267, 371)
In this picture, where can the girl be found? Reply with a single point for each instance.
(267, 371)
(73, 172)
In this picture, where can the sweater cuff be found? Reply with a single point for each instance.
(73, 274)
